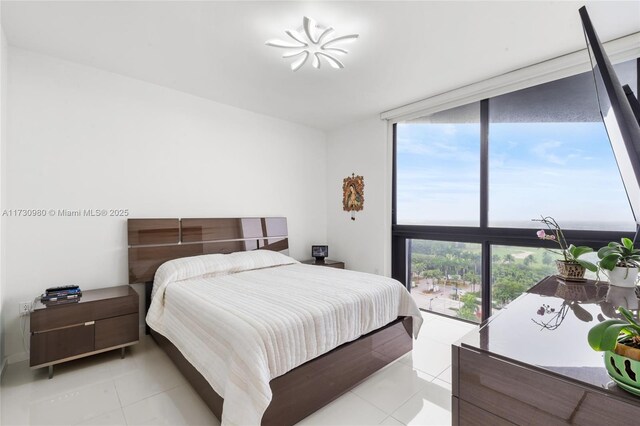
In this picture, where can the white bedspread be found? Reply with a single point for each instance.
(241, 321)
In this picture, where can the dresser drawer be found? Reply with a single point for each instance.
(71, 314)
(116, 331)
(600, 409)
(526, 396)
(470, 415)
(60, 344)
(515, 393)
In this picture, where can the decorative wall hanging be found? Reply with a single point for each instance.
(315, 41)
(353, 194)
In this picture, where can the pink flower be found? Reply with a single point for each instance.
(544, 236)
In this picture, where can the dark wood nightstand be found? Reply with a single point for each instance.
(327, 262)
(101, 320)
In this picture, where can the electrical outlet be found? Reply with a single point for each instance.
(24, 308)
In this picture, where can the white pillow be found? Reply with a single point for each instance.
(210, 265)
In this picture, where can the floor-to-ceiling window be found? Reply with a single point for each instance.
(468, 181)
(439, 168)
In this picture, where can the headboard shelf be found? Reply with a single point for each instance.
(153, 231)
(155, 241)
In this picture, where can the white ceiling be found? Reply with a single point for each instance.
(406, 51)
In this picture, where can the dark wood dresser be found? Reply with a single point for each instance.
(530, 364)
(101, 320)
(327, 262)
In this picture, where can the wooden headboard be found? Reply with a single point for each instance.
(155, 241)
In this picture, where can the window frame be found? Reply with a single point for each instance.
(483, 234)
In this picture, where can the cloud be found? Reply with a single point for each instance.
(546, 151)
(456, 142)
(437, 147)
(450, 129)
(439, 196)
(571, 175)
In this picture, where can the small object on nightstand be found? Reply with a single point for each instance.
(320, 252)
(62, 288)
(99, 321)
(324, 262)
(61, 295)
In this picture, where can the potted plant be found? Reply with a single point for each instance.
(570, 267)
(620, 342)
(622, 261)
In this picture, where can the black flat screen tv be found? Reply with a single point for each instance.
(633, 101)
(618, 115)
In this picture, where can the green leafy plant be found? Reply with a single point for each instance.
(570, 252)
(617, 254)
(605, 336)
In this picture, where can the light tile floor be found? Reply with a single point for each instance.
(146, 389)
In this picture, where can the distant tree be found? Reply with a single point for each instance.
(473, 279)
(451, 264)
(469, 307)
(505, 290)
(447, 262)
(435, 274)
(419, 263)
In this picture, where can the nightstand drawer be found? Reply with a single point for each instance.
(328, 263)
(333, 264)
(71, 314)
(116, 331)
(60, 344)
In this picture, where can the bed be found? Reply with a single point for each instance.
(241, 319)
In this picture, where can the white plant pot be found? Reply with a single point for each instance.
(623, 277)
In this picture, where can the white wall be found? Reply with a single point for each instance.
(364, 244)
(3, 138)
(89, 139)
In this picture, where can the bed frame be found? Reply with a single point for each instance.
(302, 390)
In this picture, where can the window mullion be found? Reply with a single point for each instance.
(484, 163)
(485, 280)
(485, 286)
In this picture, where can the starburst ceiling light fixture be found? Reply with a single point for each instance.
(313, 40)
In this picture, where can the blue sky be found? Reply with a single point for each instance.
(566, 170)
